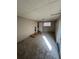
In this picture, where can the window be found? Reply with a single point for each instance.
(47, 24)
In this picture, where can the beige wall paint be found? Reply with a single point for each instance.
(25, 27)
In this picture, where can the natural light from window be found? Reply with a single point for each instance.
(47, 24)
(47, 42)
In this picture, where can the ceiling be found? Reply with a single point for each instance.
(39, 9)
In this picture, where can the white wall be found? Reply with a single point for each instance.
(41, 26)
(58, 32)
(25, 27)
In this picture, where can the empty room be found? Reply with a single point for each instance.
(38, 29)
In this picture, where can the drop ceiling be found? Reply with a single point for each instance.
(39, 9)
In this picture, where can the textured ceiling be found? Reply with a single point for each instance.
(39, 9)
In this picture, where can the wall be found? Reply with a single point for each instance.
(58, 33)
(49, 29)
(25, 27)
(46, 29)
(41, 26)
